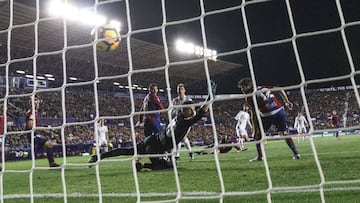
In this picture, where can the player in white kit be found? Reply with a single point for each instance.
(103, 138)
(300, 126)
(180, 99)
(243, 120)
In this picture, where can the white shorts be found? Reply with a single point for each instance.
(301, 130)
(103, 142)
(242, 131)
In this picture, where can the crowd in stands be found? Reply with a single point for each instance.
(80, 105)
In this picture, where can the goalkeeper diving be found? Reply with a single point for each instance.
(162, 142)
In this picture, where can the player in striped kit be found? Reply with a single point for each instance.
(272, 112)
(335, 122)
(151, 122)
(300, 126)
(40, 140)
(179, 100)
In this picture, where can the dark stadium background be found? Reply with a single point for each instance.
(321, 55)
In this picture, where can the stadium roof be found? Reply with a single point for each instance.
(144, 55)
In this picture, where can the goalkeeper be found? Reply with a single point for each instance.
(162, 142)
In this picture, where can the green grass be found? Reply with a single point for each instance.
(200, 179)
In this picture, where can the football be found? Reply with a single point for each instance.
(108, 37)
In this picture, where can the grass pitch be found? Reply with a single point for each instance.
(200, 179)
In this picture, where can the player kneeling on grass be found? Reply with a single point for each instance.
(162, 142)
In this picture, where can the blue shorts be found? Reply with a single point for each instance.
(152, 127)
(278, 119)
(39, 140)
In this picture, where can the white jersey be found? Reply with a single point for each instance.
(178, 101)
(102, 130)
(300, 124)
(243, 119)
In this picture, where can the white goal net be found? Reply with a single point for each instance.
(48, 55)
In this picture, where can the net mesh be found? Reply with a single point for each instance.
(59, 42)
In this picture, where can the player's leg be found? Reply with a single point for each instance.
(280, 123)
(243, 137)
(178, 149)
(298, 130)
(304, 131)
(337, 136)
(188, 146)
(112, 153)
(148, 128)
(257, 136)
(45, 142)
(238, 137)
(104, 145)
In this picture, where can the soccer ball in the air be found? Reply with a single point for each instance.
(108, 37)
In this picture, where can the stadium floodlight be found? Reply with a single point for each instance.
(20, 71)
(90, 18)
(73, 78)
(52, 79)
(70, 12)
(57, 8)
(180, 45)
(190, 48)
(120, 86)
(145, 88)
(116, 83)
(40, 77)
(29, 76)
(48, 75)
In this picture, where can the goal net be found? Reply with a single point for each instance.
(47, 51)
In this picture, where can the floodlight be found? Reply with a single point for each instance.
(199, 50)
(20, 71)
(55, 8)
(190, 48)
(70, 12)
(48, 75)
(180, 45)
(86, 17)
